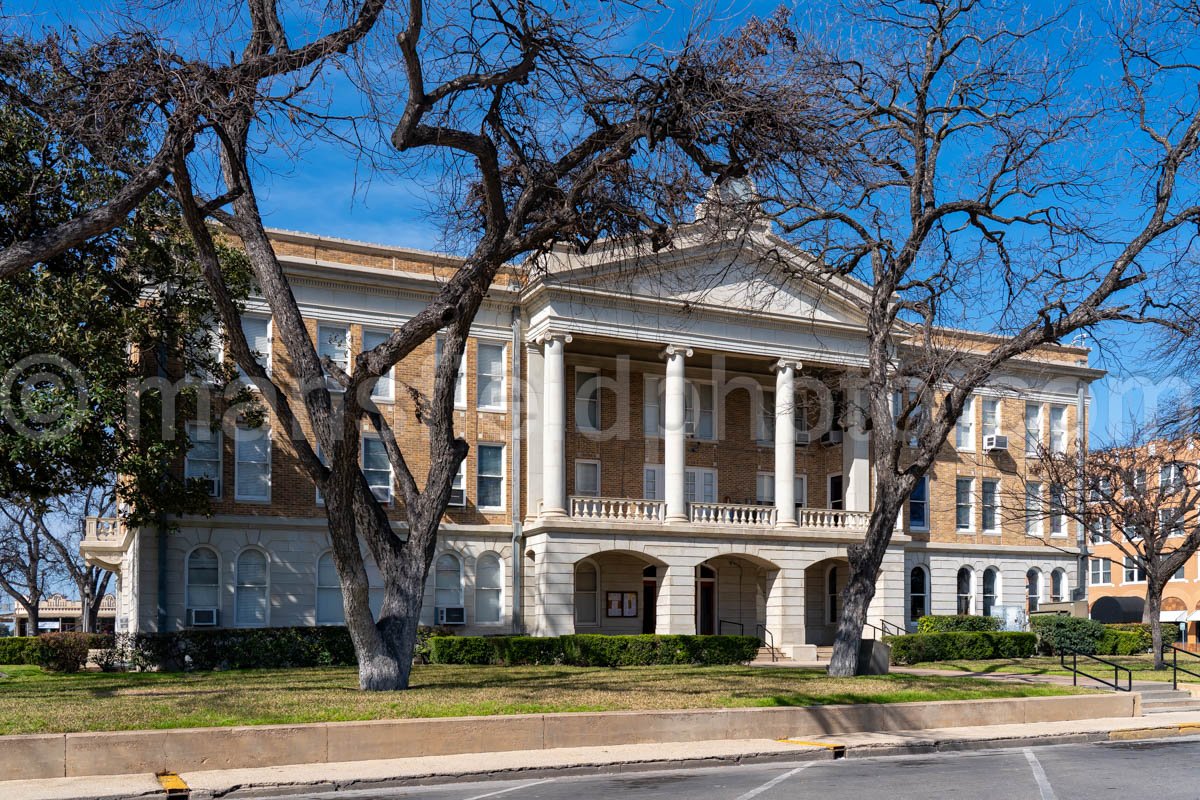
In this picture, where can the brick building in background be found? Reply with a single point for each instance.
(637, 461)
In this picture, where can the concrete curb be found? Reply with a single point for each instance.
(192, 749)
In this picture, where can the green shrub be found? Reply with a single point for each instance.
(915, 648)
(20, 650)
(956, 622)
(63, 652)
(1170, 631)
(1121, 642)
(1057, 633)
(592, 650)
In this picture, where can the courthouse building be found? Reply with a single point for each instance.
(656, 445)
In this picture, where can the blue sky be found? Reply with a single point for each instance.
(320, 188)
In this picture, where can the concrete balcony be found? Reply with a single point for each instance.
(832, 519)
(732, 514)
(642, 512)
(105, 540)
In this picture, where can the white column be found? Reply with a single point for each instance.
(674, 437)
(554, 421)
(785, 443)
(676, 602)
(785, 612)
(856, 457)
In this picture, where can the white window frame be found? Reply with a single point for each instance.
(324, 587)
(238, 586)
(997, 589)
(1097, 565)
(187, 578)
(389, 493)
(655, 470)
(996, 506)
(1057, 520)
(460, 478)
(1040, 596)
(595, 593)
(970, 595)
(997, 428)
(764, 423)
(1127, 567)
(1058, 434)
(833, 597)
(764, 489)
(503, 476)
(460, 380)
(498, 589)
(334, 328)
(964, 427)
(653, 406)
(695, 476)
(212, 328)
(1104, 526)
(924, 480)
(1060, 575)
(461, 593)
(502, 406)
(583, 404)
(924, 570)
(385, 387)
(970, 503)
(238, 461)
(1033, 437)
(266, 361)
(1034, 523)
(829, 491)
(587, 462)
(192, 433)
(693, 419)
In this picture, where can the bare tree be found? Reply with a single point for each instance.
(1141, 496)
(27, 562)
(62, 527)
(970, 204)
(541, 135)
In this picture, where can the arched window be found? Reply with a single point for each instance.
(1057, 586)
(487, 588)
(1033, 588)
(587, 584)
(448, 581)
(990, 576)
(203, 578)
(965, 597)
(833, 597)
(918, 594)
(250, 606)
(329, 593)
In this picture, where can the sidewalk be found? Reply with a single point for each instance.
(590, 760)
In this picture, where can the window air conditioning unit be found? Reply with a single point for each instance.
(202, 617)
(689, 428)
(458, 497)
(831, 438)
(214, 486)
(451, 615)
(803, 438)
(994, 442)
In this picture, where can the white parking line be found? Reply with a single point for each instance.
(773, 782)
(510, 789)
(1039, 775)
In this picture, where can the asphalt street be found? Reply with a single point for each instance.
(1164, 769)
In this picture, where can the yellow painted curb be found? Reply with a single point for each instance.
(173, 785)
(838, 750)
(1134, 734)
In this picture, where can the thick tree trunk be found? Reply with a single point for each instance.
(1152, 614)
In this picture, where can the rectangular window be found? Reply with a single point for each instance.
(837, 495)
(918, 505)
(489, 478)
(1058, 517)
(203, 460)
(1033, 509)
(258, 336)
(653, 419)
(652, 483)
(698, 411)
(333, 342)
(991, 417)
(321, 457)
(1101, 530)
(764, 489)
(377, 469)
(489, 376)
(766, 418)
(801, 491)
(460, 384)
(963, 505)
(458, 487)
(1139, 481)
(1100, 571)
(700, 485)
(384, 388)
(990, 500)
(252, 465)
(964, 430)
(1058, 429)
(1179, 573)
(587, 478)
(1033, 428)
(1170, 478)
(1134, 571)
(587, 399)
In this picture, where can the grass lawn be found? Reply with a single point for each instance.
(32, 701)
(1142, 666)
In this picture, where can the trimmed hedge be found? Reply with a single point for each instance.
(914, 648)
(1057, 633)
(950, 623)
(593, 650)
(32, 649)
(1121, 643)
(234, 648)
(1170, 631)
(63, 652)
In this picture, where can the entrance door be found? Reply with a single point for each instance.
(837, 493)
(706, 601)
(649, 619)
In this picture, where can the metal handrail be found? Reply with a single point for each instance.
(1076, 672)
(767, 639)
(1176, 669)
(721, 623)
